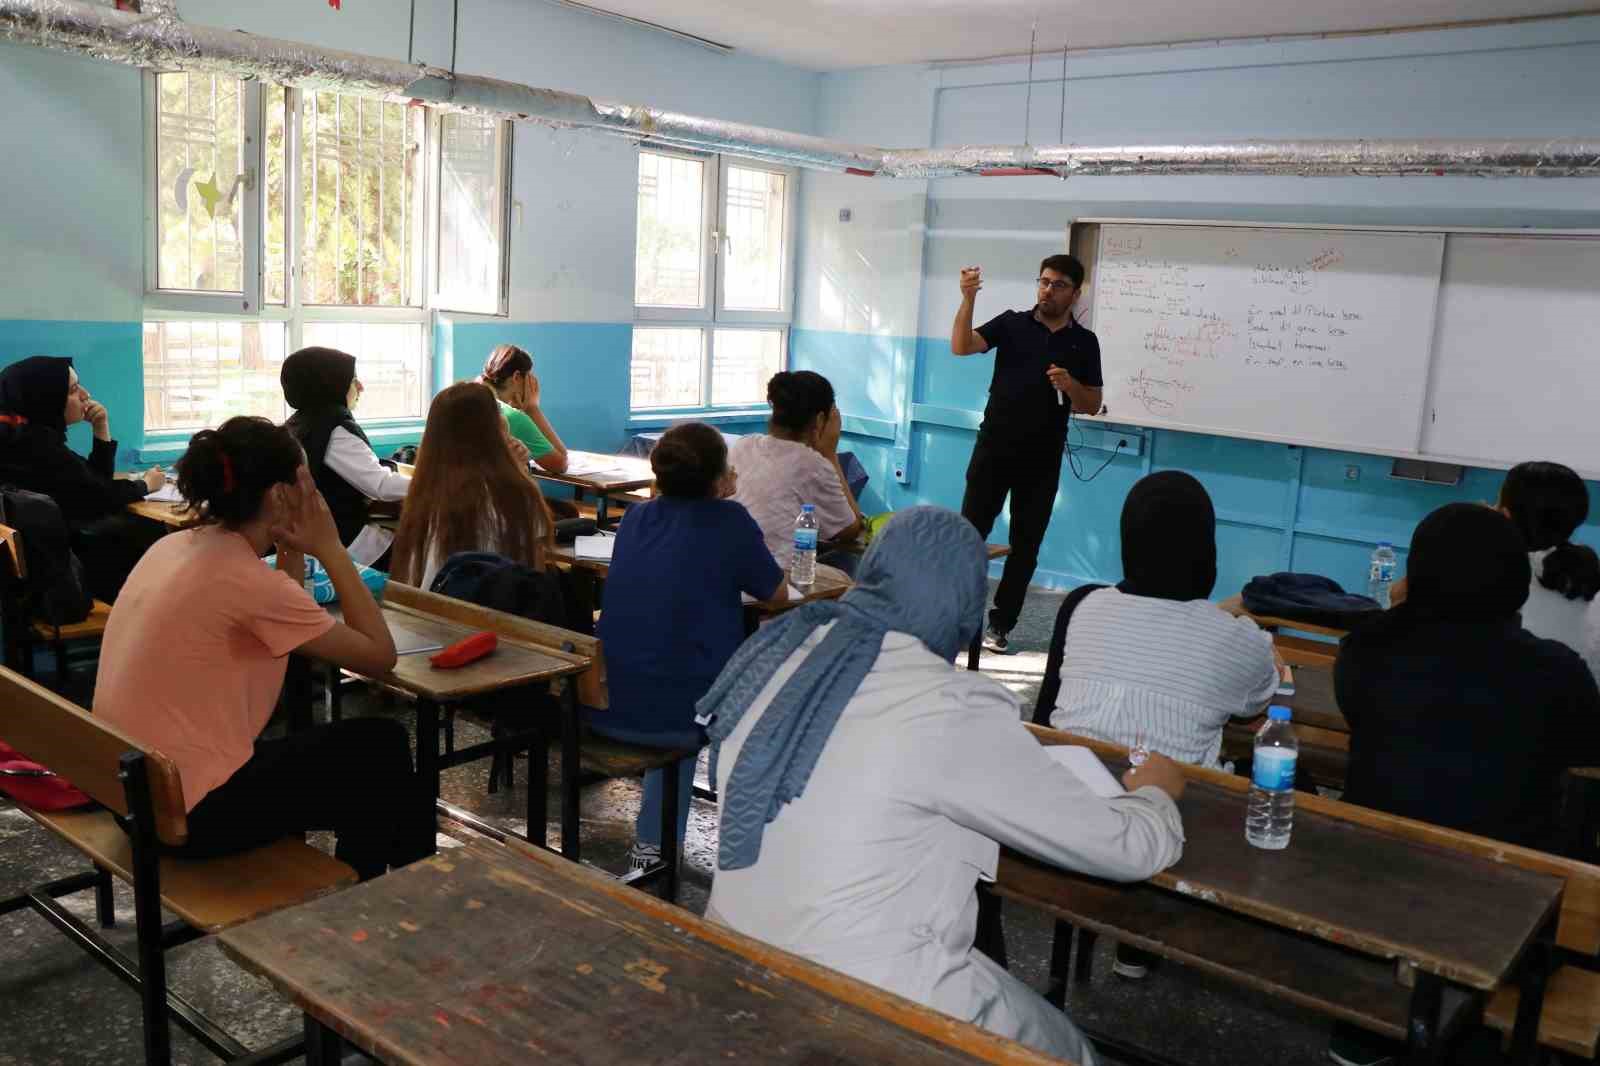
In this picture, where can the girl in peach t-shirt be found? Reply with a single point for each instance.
(196, 649)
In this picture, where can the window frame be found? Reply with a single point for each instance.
(712, 316)
(182, 305)
(439, 299)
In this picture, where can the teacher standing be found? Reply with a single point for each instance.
(1047, 366)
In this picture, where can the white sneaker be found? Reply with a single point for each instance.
(642, 856)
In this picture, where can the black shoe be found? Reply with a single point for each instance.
(996, 640)
(1350, 1046)
(1132, 963)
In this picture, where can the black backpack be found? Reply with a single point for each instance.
(55, 590)
(493, 581)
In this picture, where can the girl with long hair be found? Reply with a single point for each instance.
(470, 492)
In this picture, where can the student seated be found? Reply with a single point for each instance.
(1547, 502)
(1152, 659)
(509, 372)
(320, 384)
(867, 785)
(672, 612)
(797, 462)
(39, 398)
(195, 653)
(1458, 715)
(471, 491)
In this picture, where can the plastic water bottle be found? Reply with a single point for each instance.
(1269, 819)
(803, 567)
(1381, 576)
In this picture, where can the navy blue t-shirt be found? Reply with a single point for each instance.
(672, 616)
(1022, 402)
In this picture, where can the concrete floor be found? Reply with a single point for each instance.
(58, 1007)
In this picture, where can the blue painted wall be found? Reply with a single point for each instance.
(877, 293)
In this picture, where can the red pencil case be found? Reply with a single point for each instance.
(462, 652)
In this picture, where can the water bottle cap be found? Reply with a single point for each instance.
(807, 508)
(1279, 714)
(1385, 544)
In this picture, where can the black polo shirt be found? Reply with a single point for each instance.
(1022, 402)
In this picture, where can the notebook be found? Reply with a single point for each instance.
(595, 547)
(1087, 767)
(167, 493)
(794, 594)
(588, 465)
(407, 641)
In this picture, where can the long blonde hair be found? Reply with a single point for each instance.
(469, 493)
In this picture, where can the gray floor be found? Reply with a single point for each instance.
(57, 1006)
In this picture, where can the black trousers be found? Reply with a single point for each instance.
(353, 777)
(1030, 472)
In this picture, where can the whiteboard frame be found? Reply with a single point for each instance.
(1112, 418)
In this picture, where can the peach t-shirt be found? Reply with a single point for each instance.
(195, 652)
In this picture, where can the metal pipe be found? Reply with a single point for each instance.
(165, 42)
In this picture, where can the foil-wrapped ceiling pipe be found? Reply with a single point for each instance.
(158, 39)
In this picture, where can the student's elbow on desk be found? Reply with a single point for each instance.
(554, 462)
(350, 649)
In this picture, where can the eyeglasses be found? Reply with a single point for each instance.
(1055, 286)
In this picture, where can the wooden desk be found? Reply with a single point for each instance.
(624, 474)
(1357, 905)
(528, 655)
(1297, 651)
(483, 956)
(830, 585)
(1323, 733)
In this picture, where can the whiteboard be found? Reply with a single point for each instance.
(1316, 337)
(1516, 371)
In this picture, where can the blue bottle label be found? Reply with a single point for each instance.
(1273, 769)
(805, 540)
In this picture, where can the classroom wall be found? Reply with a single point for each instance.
(71, 159)
(916, 407)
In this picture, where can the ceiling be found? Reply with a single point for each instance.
(839, 34)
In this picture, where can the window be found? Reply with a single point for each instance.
(712, 280)
(288, 218)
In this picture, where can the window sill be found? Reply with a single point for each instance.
(715, 416)
(166, 445)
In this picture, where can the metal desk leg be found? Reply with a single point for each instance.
(1423, 1026)
(539, 787)
(324, 1047)
(975, 650)
(569, 770)
(428, 754)
(1530, 1004)
(600, 510)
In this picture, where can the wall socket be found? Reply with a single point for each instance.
(1352, 473)
(900, 465)
(844, 214)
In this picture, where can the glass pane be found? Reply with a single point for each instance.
(666, 369)
(470, 199)
(360, 201)
(199, 374)
(670, 253)
(273, 100)
(754, 249)
(742, 362)
(391, 363)
(199, 160)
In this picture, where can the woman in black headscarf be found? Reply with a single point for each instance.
(322, 387)
(1459, 716)
(39, 398)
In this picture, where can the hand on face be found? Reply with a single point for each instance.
(728, 484)
(530, 390)
(303, 522)
(828, 436)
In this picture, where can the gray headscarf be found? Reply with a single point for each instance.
(924, 576)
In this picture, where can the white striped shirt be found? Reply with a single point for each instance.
(1172, 671)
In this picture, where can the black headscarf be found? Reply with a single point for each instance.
(1169, 538)
(1468, 563)
(318, 379)
(36, 389)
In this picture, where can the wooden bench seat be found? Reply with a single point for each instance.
(616, 758)
(1571, 1018)
(88, 629)
(209, 894)
(1311, 973)
(1306, 651)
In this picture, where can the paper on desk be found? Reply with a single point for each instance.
(586, 465)
(1086, 767)
(167, 493)
(407, 641)
(794, 594)
(593, 548)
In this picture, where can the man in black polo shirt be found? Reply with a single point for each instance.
(1047, 366)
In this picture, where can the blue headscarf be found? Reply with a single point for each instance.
(925, 575)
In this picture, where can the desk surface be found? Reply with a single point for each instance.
(171, 515)
(512, 664)
(623, 473)
(1464, 918)
(1234, 605)
(482, 955)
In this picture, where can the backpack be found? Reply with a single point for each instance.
(493, 581)
(55, 589)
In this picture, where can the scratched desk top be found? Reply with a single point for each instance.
(483, 956)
